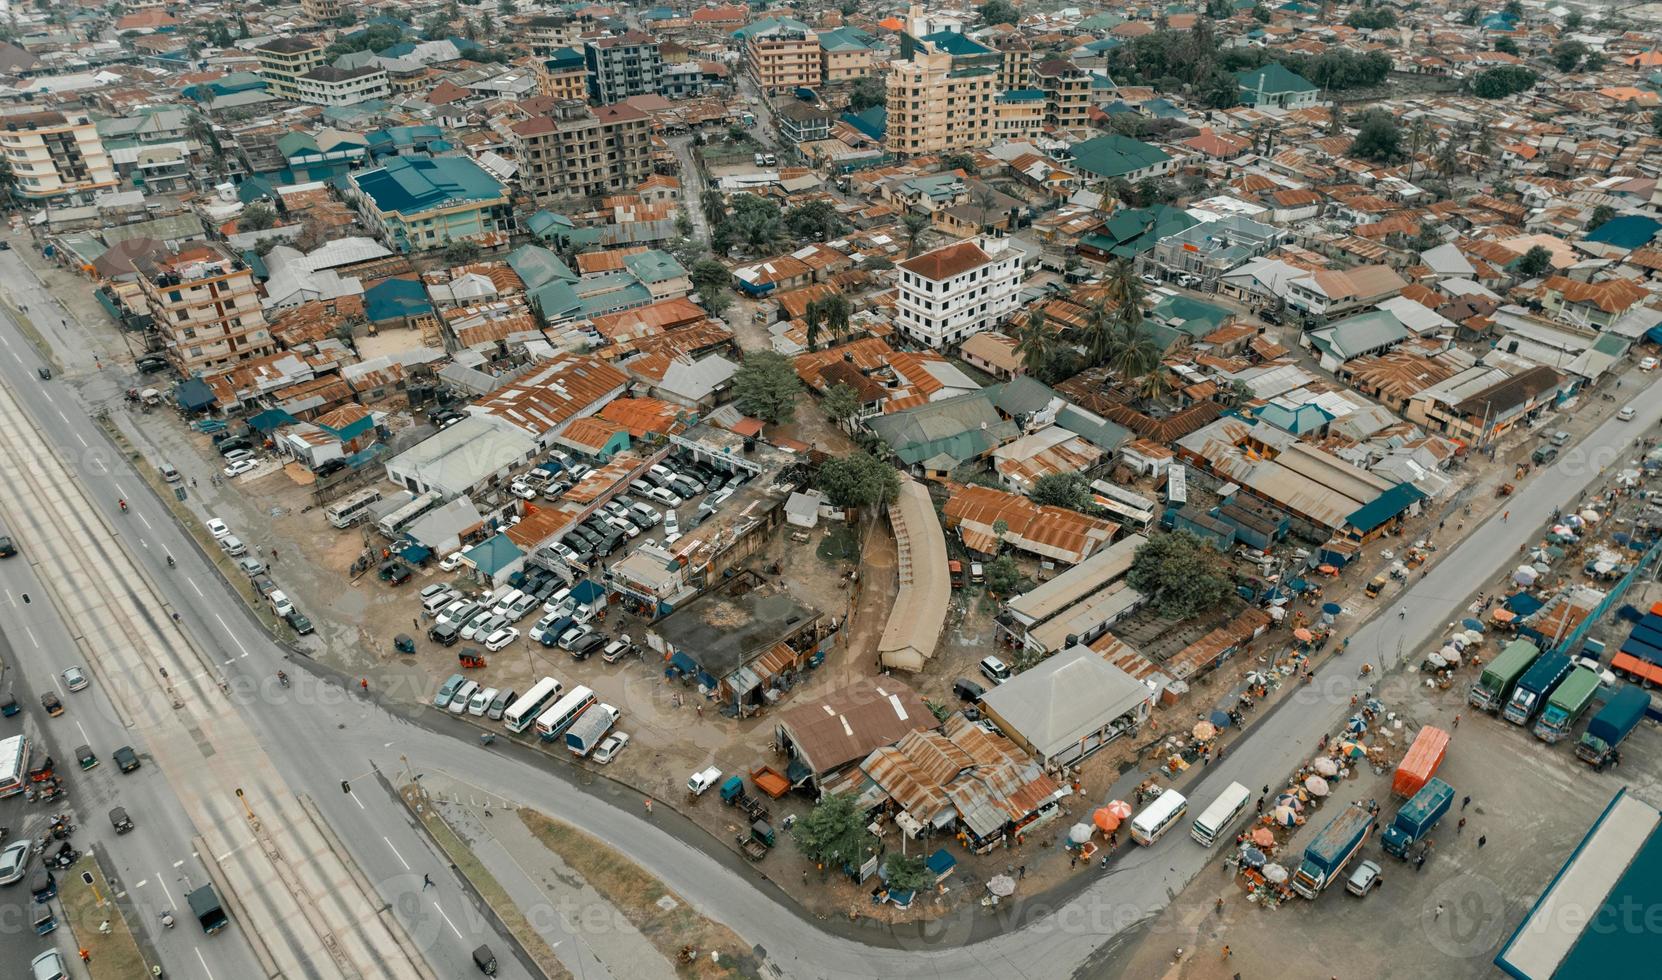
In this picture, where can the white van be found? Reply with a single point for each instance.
(168, 473)
(437, 601)
(1158, 817)
(1217, 819)
(463, 698)
(233, 546)
(280, 603)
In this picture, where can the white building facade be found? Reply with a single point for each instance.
(956, 291)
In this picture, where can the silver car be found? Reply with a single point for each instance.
(14, 862)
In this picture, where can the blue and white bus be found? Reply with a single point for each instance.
(553, 722)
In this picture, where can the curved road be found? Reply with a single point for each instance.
(1025, 938)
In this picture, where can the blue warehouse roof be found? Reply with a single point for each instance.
(413, 184)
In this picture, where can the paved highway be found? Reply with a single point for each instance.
(314, 744)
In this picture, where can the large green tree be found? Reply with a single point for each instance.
(766, 386)
(867, 92)
(814, 221)
(1070, 490)
(907, 872)
(841, 402)
(999, 12)
(1181, 574)
(834, 833)
(1378, 137)
(1534, 262)
(858, 479)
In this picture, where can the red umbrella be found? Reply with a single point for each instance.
(1105, 820)
(1119, 808)
(1302, 635)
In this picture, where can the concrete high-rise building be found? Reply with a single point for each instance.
(934, 108)
(205, 305)
(1067, 89)
(957, 290)
(55, 156)
(284, 60)
(781, 54)
(322, 11)
(577, 152)
(623, 65)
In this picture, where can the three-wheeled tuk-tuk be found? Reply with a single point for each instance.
(119, 819)
(403, 644)
(84, 755)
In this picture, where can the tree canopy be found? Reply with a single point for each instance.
(907, 872)
(834, 832)
(766, 386)
(999, 12)
(1372, 19)
(1534, 262)
(867, 92)
(814, 221)
(1181, 574)
(257, 216)
(1068, 490)
(1004, 576)
(1503, 81)
(1378, 137)
(858, 479)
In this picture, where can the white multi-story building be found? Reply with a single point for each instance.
(957, 290)
(55, 156)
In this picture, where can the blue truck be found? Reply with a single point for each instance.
(1619, 716)
(1327, 855)
(1531, 693)
(1417, 817)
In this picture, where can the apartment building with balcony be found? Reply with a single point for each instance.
(419, 202)
(564, 74)
(781, 54)
(205, 305)
(284, 60)
(322, 11)
(56, 156)
(575, 151)
(547, 34)
(622, 65)
(1067, 90)
(845, 54)
(935, 107)
(956, 291)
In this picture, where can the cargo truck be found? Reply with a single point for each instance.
(1539, 681)
(204, 904)
(1421, 761)
(1417, 817)
(1604, 734)
(1326, 857)
(1494, 685)
(1567, 704)
(590, 727)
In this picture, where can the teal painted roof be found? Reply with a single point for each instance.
(654, 265)
(564, 58)
(1385, 506)
(1275, 79)
(390, 299)
(1298, 421)
(1114, 155)
(413, 184)
(1190, 315)
(493, 555)
(956, 44)
(294, 144)
(846, 39)
(537, 266)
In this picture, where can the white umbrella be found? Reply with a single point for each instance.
(1002, 885)
(1452, 656)
(1080, 833)
(1326, 766)
(1473, 637)
(1275, 873)
(1436, 661)
(1316, 785)
(1591, 516)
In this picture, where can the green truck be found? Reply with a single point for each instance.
(1496, 683)
(1567, 704)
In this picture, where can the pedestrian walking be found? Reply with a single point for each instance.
(1460, 826)
(649, 808)
(1266, 789)
(1457, 721)
(416, 622)
(1073, 861)
(1437, 913)
(1482, 839)
(1226, 951)
(1021, 872)
(804, 876)
(363, 683)
(1260, 804)
(1419, 862)
(1219, 906)
(1505, 517)
(1464, 802)
(426, 882)
(193, 483)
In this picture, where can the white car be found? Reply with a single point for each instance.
(564, 551)
(14, 861)
(218, 528)
(626, 526)
(240, 467)
(608, 749)
(75, 679)
(583, 614)
(523, 490)
(501, 638)
(539, 631)
(569, 638)
(1626, 414)
(672, 525)
(238, 455)
(506, 600)
(483, 625)
(616, 509)
(451, 562)
(48, 966)
(1647, 363)
(666, 497)
(577, 471)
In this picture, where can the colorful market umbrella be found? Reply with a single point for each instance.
(1105, 821)
(1316, 785)
(1119, 808)
(1289, 799)
(1205, 730)
(1286, 816)
(1355, 750)
(1263, 837)
(1252, 857)
(1326, 766)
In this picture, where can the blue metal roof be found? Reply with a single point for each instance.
(390, 299)
(1385, 506)
(414, 184)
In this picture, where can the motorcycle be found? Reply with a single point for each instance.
(170, 562)
(282, 678)
(167, 919)
(123, 505)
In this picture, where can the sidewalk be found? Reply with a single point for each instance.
(589, 935)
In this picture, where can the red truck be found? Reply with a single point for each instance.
(1421, 762)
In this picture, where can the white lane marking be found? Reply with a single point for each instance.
(10, 599)
(144, 543)
(121, 491)
(447, 921)
(16, 358)
(32, 637)
(84, 739)
(142, 883)
(146, 521)
(397, 855)
(46, 393)
(100, 464)
(196, 587)
(61, 415)
(234, 638)
(83, 440)
(162, 880)
(179, 864)
(387, 745)
(204, 962)
(357, 801)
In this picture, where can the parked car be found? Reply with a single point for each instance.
(450, 562)
(967, 690)
(624, 524)
(48, 966)
(569, 638)
(1626, 414)
(501, 638)
(464, 694)
(645, 516)
(617, 650)
(299, 622)
(666, 497)
(75, 679)
(616, 509)
(218, 528)
(251, 566)
(587, 646)
(483, 625)
(500, 703)
(236, 444)
(239, 455)
(14, 861)
(994, 670)
(481, 701)
(1364, 879)
(447, 691)
(445, 634)
(609, 747)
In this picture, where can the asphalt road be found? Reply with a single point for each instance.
(318, 736)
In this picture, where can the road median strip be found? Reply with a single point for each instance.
(112, 952)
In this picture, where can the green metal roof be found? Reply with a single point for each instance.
(1272, 79)
(1114, 155)
(956, 44)
(414, 184)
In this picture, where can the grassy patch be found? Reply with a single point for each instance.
(488, 888)
(635, 894)
(114, 954)
(839, 544)
(44, 349)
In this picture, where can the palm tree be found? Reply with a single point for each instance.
(914, 223)
(1097, 332)
(1153, 382)
(1124, 289)
(1419, 134)
(1131, 352)
(1034, 341)
(986, 199)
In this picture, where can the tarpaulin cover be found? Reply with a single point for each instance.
(1523, 603)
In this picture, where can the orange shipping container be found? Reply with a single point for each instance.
(1421, 762)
